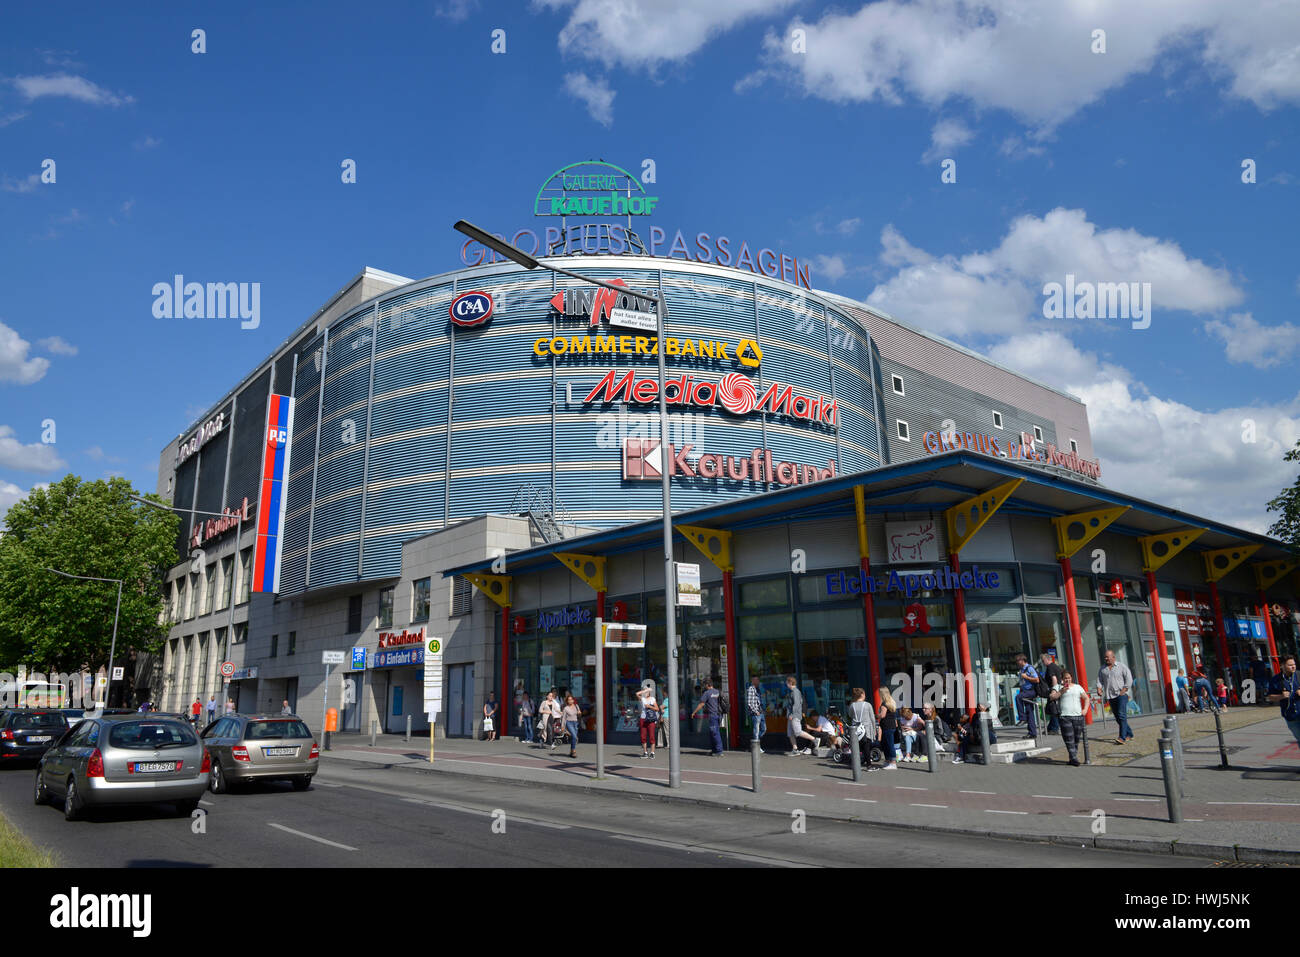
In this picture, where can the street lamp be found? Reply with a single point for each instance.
(670, 605)
(234, 569)
(112, 650)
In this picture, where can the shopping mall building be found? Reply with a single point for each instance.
(475, 457)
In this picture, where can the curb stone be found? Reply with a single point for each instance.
(1214, 852)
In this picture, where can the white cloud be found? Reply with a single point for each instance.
(147, 142)
(646, 33)
(596, 94)
(1034, 59)
(12, 118)
(14, 365)
(999, 292)
(73, 87)
(455, 10)
(37, 457)
(1189, 459)
(26, 185)
(945, 138)
(1246, 341)
(847, 227)
(832, 267)
(58, 345)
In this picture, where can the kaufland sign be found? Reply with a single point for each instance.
(735, 392)
(644, 459)
(206, 531)
(389, 639)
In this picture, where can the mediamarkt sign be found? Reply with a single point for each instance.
(735, 392)
(644, 458)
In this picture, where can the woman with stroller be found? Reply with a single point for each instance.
(550, 711)
(862, 729)
(888, 717)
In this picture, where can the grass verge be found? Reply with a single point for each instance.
(17, 851)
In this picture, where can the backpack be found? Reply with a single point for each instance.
(722, 704)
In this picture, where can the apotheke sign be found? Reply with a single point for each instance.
(945, 579)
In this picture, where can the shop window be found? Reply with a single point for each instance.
(1042, 582)
(997, 419)
(812, 588)
(897, 382)
(764, 594)
(420, 600)
(1007, 586)
(894, 615)
(771, 659)
(754, 627)
(824, 674)
(462, 596)
(1083, 588)
(1047, 631)
(385, 608)
(354, 614)
(903, 433)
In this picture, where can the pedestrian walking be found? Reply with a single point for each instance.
(862, 726)
(710, 704)
(550, 713)
(1051, 675)
(1184, 702)
(1114, 679)
(757, 716)
(195, 708)
(887, 727)
(1074, 703)
(526, 712)
(570, 715)
(662, 728)
(490, 716)
(1284, 690)
(1221, 693)
(212, 708)
(230, 706)
(1028, 699)
(794, 718)
(649, 721)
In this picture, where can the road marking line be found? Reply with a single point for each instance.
(711, 784)
(313, 837)
(930, 805)
(326, 784)
(778, 777)
(1054, 797)
(978, 792)
(534, 821)
(862, 800)
(991, 811)
(904, 787)
(800, 794)
(1089, 816)
(1255, 803)
(448, 807)
(701, 849)
(1151, 800)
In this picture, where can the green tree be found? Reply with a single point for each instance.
(1287, 528)
(83, 528)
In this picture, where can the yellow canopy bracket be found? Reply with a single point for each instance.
(1268, 574)
(1158, 549)
(859, 506)
(1076, 530)
(495, 587)
(966, 518)
(715, 544)
(590, 568)
(1221, 561)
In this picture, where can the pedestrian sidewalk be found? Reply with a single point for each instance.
(1249, 812)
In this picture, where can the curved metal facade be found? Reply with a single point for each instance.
(422, 423)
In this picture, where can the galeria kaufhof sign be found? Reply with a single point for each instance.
(599, 189)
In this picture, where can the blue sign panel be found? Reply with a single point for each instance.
(1257, 629)
(358, 659)
(399, 657)
(945, 579)
(1243, 627)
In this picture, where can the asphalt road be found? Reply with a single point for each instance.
(372, 816)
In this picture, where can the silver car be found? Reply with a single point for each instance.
(246, 747)
(124, 759)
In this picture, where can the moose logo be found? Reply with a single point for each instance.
(908, 541)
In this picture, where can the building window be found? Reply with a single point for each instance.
(225, 588)
(293, 642)
(275, 645)
(1074, 446)
(241, 633)
(245, 573)
(1038, 433)
(354, 614)
(902, 431)
(191, 596)
(997, 420)
(209, 588)
(462, 596)
(386, 608)
(420, 600)
(176, 600)
(897, 381)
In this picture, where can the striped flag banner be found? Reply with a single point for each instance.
(275, 494)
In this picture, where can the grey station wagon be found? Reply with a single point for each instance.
(247, 747)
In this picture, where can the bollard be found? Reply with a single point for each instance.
(1170, 775)
(1170, 728)
(374, 730)
(930, 757)
(754, 752)
(1087, 754)
(1179, 753)
(855, 751)
(327, 739)
(985, 723)
(408, 729)
(1223, 749)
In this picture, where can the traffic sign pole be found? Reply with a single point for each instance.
(600, 699)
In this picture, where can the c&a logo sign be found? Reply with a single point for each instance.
(471, 309)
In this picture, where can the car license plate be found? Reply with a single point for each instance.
(37, 738)
(148, 767)
(280, 752)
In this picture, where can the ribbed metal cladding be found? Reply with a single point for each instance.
(183, 501)
(298, 508)
(250, 424)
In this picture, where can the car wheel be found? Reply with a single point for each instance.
(42, 794)
(187, 807)
(73, 807)
(302, 783)
(217, 783)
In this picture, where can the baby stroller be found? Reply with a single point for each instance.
(560, 734)
(842, 754)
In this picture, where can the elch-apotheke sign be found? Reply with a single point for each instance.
(564, 618)
(204, 532)
(945, 579)
(202, 434)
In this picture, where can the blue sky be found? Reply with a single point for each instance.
(1115, 166)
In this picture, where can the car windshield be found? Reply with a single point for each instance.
(39, 719)
(150, 735)
(260, 730)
